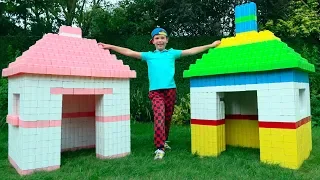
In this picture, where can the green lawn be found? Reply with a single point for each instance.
(179, 163)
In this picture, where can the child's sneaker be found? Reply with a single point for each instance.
(159, 154)
(166, 146)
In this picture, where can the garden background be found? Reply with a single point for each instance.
(128, 23)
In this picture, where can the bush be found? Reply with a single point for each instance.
(12, 54)
(311, 53)
(9, 45)
(140, 106)
(3, 100)
(315, 110)
(181, 114)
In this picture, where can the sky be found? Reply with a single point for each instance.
(113, 1)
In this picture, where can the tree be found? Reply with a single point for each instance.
(301, 19)
(193, 18)
(35, 16)
(7, 27)
(96, 22)
(135, 17)
(17, 12)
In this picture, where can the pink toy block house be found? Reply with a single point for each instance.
(66, 93)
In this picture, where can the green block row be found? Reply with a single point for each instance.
(247, 68)
(246, 18)
(262, 56)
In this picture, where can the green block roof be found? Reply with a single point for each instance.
(259, 56)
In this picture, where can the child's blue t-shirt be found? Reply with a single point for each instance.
(161, 68)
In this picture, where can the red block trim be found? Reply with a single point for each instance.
(13, 120)
(30, 171)
(78, 114)
(241, 117)
(79, 91)
(208, 122)
(113, 118)
(262, 124)
(285, 125)
(16, 121)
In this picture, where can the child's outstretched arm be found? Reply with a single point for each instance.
(199, 49)
(121, 50)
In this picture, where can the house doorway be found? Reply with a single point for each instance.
(78, 129)
(241, 119)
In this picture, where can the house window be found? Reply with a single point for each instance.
(302, 101)
(16, 104)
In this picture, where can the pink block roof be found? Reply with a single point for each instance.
(56, 54)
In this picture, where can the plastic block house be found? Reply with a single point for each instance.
(66, 93)
(251, 91)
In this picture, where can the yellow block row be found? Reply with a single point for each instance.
(286, 147)
(244, 133)
(248, 38)
(207, 140)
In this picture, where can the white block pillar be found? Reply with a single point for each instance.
(113, 125)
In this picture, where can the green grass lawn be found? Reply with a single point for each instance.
(179, 163)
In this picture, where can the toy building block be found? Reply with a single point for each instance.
(246, 18)
(66, 93)
(259, 97)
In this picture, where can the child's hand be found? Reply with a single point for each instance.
(216, 43)
(104, 46)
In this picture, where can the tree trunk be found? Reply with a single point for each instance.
(71, 7)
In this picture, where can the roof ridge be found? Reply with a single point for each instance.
(247, 38)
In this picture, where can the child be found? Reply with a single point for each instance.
(162, 87)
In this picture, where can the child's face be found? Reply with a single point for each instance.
(160, 41)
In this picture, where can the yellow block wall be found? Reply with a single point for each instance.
(207, 140)
(286, 147)
(244, 133)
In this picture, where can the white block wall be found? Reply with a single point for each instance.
(281, 103)
(277, 102)
(113, 104)
(78, 132)
(33, 148)
(36, 103)
(113, 138)
(206, 105)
